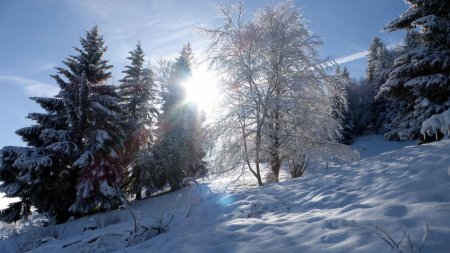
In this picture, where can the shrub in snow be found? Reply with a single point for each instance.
(9, 230)
(256, 210)
(269, 178)
(404, 245)
(298, 167)
(160, 226)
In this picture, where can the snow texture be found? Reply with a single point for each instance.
(437, 123)
(107, 190)
(339, 209)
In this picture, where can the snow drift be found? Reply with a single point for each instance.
(334, 210)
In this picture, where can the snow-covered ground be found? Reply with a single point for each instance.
(370, 145)
(339, 209)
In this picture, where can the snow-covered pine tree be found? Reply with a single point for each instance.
(137, 94)
(341, 110)
(71, 161)
(40, 175)
(379, 64)
(99, 135)
(379, 61)
(421, 75)
(179, 150)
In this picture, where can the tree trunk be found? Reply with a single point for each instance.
(139, 194)
(275, 161)
(258, 174)
(81, 123)
(297, 168)
(275, 164)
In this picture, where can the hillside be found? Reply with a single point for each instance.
(339, 209)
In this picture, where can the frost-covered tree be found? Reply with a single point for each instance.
(178, 150)
(379, 64)
(96, 123)
(379, 61)
(420, 79)
(71, 163)
(137, 92)
(278, 98)
(40, 174)
(341, 110)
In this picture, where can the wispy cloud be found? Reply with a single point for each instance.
(162, 27)
(31, 87)
(352, 57)
(362, 54)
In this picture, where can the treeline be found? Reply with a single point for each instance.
(96, 140)
(406, 92)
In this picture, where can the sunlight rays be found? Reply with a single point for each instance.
(201, 89)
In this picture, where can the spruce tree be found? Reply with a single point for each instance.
(179, 149)
(39, 174)
(379, 61)
(341, 109)
(138, 102)
(420, 79)
(71, 165)
(97, 129)
(379, 65)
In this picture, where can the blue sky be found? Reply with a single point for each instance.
(35, 36)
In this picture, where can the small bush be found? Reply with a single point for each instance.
(144, 233)
(404, 245)
(9, 230)
(270, 178)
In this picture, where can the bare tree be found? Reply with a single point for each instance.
(278, 95)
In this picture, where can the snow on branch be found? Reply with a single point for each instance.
(87, 158)
(103, 109)
(437, 123)
(32, 161)
(65, 147)
(50, 134)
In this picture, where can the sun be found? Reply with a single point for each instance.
(201, 89)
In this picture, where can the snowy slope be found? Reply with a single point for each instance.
(329, 211)
(372, 144)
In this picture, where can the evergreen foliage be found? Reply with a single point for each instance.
(360, 95)
(137, 92)
(96, 126)
(178, 151)
(379, 64)
(341, 111)
(71, 162)
(379, 60)
(420, 79)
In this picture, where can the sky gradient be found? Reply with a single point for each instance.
(37, 35)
